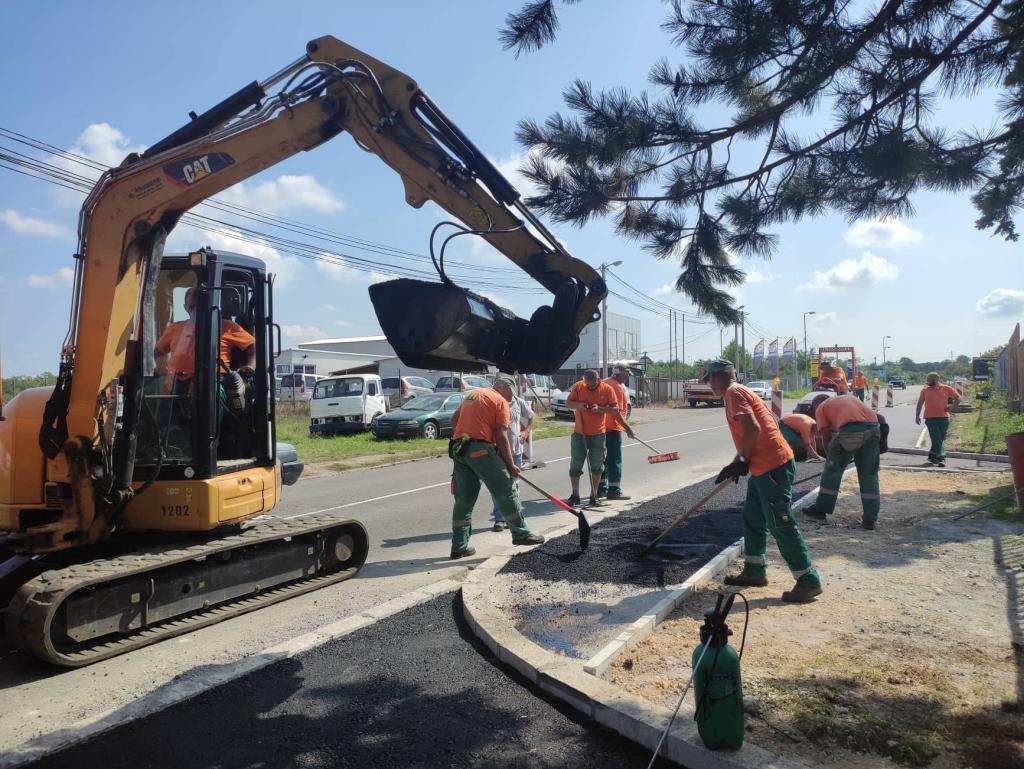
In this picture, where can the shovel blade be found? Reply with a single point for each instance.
(584, 527)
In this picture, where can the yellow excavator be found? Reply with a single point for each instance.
(134, 493)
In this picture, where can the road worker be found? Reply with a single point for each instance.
(592, 400)
(935, 398)
(850, 431)
(481, 454)
(801, 433)
(614, 426)
(765, 455)
(831, 370)
(519, 421)
(860, 385)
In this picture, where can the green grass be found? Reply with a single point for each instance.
(796, 394)
(985, 429)
(363, 450)
(1001, 503)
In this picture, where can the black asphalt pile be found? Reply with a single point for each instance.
(574, 602)
(414, 690)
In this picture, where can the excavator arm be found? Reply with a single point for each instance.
(96, 405)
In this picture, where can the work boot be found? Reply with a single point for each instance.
(812, 512)
(939, 463)
(594, 501)
(866, 524)
(573, 500)
(802, 592)
(457, 554)
(602, 493)
(746, 579)
(614, 494)
(529, 539)
(499, 526)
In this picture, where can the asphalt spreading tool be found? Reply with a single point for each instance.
(700, 503)
(668, 456)
(584, 524)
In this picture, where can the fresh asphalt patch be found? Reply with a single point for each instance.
(414, 690)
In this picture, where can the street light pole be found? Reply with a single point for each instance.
(884, 348)
(604, 317)
(807, 359)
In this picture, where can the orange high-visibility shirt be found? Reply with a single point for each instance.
(483, 414)
(842, 410)
(610, 422)
(936, 400)
(771, 449)
(803, 425)
(178, 339)
(589, 422)
(860, 382)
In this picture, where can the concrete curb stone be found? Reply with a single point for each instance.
(1003, 458)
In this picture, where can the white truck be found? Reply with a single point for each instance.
(346, 403)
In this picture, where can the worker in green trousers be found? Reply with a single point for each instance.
(850, 432)
(935, 398)
(762, 452)
(481, 453)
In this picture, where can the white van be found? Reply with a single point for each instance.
(538, 387)
(297, 388)
(346, 403)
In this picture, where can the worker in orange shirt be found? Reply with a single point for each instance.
(830, 370)
(935, 398)
(481, 453)
(762, 452)
(592, 400)
(850, 431)
(614, 426)
(178, 342)
(801, 433)
(860, 385)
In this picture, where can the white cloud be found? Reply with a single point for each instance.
(868, 270)
(186, 238)
(1002, 301)
(286, 193)
(330, 267)
(27, 225)
(344, 323)
(65, 276)
(881, 233)
(100, 142)
(754, 275)
(294, 333)
(328, 308)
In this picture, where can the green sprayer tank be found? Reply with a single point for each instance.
(716, 680)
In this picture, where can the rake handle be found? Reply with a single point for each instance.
(700, 503)
(645, 443)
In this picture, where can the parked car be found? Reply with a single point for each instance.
(297, 387)
(427, 415)
(346, 404)
(762, 389)
(536, 387)
(898, 383)
(399, 389)
(809, 403)
(698, 392)
(291, 467)
(559, 408)
(460, 383)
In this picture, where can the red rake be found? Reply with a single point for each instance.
(584, 524)
(668, 456)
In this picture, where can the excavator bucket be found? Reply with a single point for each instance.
(438, 326)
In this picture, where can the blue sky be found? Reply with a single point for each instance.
(117, 76)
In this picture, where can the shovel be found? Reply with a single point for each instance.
(668, 456)
(584, 525)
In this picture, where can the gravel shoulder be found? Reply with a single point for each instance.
(908, 658)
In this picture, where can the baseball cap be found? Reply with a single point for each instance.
(508, 381)
(716, 366)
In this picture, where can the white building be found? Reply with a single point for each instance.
(623, 343)
(303, 360)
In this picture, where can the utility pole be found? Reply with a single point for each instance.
(884, 348)
(721, 347)
(604, 318)
(743, 343)
(807, 359)
(670, 344)
(684, 342)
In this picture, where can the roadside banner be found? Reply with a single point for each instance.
(815, 364)
(773, 357)
(758, 354)
(888, 397)
(874, 397)
(777, 403)
(789, 351)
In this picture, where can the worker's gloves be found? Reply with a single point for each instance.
(733, 471)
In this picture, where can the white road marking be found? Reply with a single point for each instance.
(921, 437)
(445, 483)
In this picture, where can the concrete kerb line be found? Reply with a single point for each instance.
(1001, 458)
(203, 679)
(570, 681)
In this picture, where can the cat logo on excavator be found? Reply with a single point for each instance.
(187, 172)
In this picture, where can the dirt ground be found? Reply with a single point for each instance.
(911, 656)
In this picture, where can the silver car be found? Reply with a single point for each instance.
(399, 389)
(460, 383)
(762, 389)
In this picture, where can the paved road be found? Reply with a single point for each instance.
(415, 690)
(407, 509)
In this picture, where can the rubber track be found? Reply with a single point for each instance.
(32, 610)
